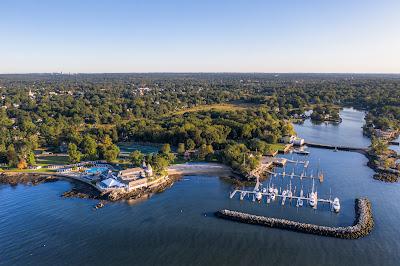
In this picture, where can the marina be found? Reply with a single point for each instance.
(272, 193)
(183, 215)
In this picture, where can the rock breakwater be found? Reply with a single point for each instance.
(362, 226)
(14, 179)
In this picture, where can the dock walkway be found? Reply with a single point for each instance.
(337, 147)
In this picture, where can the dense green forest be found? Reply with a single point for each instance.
(90, 113)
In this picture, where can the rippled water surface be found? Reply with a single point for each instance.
(177, 227)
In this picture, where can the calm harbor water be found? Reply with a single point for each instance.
(347, 133)
(177, 227)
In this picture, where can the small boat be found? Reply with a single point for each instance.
(273, 196)
(313, 197)
(264, 190)
(275, 191)
(335, 150)
(289, 192)
(99, 205)
(336, 205)
(313, 200)
(271, 189)
(301, 152)
(299, 202)
(258, 195)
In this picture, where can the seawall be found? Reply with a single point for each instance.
(362, 226)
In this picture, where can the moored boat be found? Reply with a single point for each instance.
(336, 204)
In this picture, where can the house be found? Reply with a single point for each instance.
(131, 174)
(34, 167)
(288, 139)
(292, 139)
(298, 142)
(385, 134)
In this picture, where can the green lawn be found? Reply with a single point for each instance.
(46, 160)
(277, 146)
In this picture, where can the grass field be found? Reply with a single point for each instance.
(277, 146)
(217, 107)
(46, 160)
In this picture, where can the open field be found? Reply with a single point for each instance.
(217, 107)
(52, 159)
(277, 146)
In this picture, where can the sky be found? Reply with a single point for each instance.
(301, 36)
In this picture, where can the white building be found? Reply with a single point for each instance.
(111, 183)
(292, 139)
(131, 174)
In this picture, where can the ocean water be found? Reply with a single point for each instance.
(177, 227)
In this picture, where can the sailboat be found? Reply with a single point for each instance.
(313, 197)
(258, 196)
(290, 193)
(336, 204)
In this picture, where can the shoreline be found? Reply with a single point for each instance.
(83, 190)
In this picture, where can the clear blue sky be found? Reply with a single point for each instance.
(200, 36)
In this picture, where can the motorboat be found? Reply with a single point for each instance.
(336, 204)
(313, 199)
(273, 196)
(271, 189)
(313, 196)
(258, 195)
(301, 152)
(299, 202)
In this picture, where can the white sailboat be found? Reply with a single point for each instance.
(289, 192)
(313, 197)
(336, 204)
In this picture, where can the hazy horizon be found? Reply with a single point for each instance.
(349, 37)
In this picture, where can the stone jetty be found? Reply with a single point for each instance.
(362, 226)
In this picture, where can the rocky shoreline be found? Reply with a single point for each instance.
(34, 179)
(362, 226)
(142, 192)
(386, 177)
